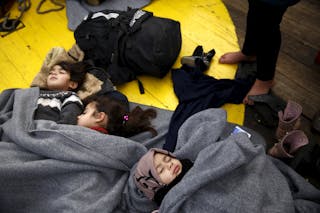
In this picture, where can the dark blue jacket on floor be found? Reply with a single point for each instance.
(196, 92)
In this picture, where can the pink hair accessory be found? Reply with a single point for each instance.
(125, 119)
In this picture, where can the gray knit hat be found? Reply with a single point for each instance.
(145, 176)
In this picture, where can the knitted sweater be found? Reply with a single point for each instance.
(59, 106)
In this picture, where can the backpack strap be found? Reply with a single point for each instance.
(130, 22)
(138, 18)
(140, 85)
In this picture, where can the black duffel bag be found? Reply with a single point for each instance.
(129, 43)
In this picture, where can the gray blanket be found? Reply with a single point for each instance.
(46, 167)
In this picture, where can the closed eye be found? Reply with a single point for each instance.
(159, 169)
(166, 158)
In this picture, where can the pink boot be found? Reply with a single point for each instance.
(289, 119)
(290, 143)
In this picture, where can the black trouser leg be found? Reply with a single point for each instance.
(263, 37)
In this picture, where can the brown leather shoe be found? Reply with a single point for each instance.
(289, 119)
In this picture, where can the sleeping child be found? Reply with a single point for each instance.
(158, 171)
(233, 175)
(59, 102)
(111, 115)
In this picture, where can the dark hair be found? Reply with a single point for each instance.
(120, 121)
(77, 71)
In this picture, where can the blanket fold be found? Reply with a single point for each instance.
(49, 167)
(236, 175)
(74, 168)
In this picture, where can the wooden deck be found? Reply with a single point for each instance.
(202, 22)
(297, 76)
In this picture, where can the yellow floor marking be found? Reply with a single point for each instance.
(203, 22)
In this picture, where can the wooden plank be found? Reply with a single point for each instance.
(309, 103)
(310, 37)
(297, 75)
(295, 83)
(306, 12)
(300, 51)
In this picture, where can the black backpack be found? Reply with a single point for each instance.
(129, 43)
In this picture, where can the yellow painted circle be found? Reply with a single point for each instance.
(203, 22)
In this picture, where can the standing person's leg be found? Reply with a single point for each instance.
(249, 49)
(251, 40)
(268, 47)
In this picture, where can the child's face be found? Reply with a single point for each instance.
(59, 79)
(168, 168)
(88, 118)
